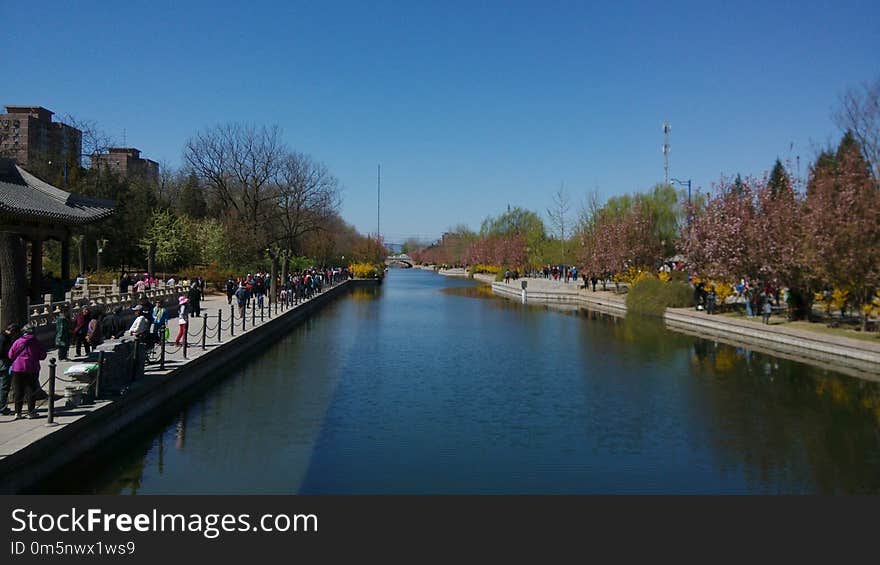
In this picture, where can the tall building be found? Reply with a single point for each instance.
(127, 162)
(30, 137)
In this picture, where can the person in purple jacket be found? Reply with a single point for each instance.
(25, 355)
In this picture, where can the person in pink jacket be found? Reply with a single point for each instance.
(26, 354)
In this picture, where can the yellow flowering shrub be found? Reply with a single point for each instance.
(872, 309)
(839, 298)
(723, 291)
(489, 269)
(365, 270)
(633, 275)
(834, 301)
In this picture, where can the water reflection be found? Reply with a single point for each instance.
(475, 291)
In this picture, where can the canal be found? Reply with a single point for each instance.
(432, 385)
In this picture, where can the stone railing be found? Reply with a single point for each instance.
(99, 298)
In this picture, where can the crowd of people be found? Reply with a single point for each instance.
(564, 273)
(292, 289)
(21, 352)
(760, 299)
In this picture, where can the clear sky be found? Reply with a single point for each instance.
(468, 106)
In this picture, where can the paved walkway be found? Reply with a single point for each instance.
(17, 434)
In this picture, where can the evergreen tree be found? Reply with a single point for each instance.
(779, 182)
(850, 148)
(738, 186)
(192, 200)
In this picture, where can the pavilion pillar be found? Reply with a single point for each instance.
(65, 259)
(13, 283)
(36, 270)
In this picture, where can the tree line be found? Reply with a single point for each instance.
(817, 237)
(242, 201)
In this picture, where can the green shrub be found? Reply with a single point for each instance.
(651, 297)
(678, 276)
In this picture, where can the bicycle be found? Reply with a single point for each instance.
(152, 346)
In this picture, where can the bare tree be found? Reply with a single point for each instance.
(170, 180)
(306, 195)
(95, 141)
(239, 164)
(859, 112)
(559, 215)
(589, 209)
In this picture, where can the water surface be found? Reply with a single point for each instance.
(432, 385)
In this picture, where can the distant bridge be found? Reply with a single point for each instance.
(403, 261)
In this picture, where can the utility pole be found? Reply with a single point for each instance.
(667, 129)
(378, 202)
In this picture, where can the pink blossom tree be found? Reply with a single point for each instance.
(842, 223)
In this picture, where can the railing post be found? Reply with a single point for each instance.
(262, 313)
(231, 320)
(276, 306)
(162, 349)
(204, 329)
(219, 325)
(185, 340)
(134, 359)
(51, 418)
(100, 375)
(254, 314)
(243, 321)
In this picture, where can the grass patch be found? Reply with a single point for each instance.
(651, 297)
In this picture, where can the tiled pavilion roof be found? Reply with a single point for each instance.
(25, 197)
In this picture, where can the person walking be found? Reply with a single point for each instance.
(62, 332)
(710, 300)
(80, 328)
(195, 297)
(7, 338)
(160, 319)
(766, 310)
(230, 290)
(241, 297)
(26, 354)
(94, 337)
(182, 319)
(259, 291)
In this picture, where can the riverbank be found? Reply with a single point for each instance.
(31, 451)
(860, 358)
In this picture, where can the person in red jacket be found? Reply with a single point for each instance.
(26, 354)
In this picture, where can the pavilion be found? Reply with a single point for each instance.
(34, 210)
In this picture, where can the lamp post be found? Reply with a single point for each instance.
(102, 243)
(688, 184)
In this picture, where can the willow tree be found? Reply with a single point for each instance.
(518, 224)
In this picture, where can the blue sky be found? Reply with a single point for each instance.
(468, 106)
